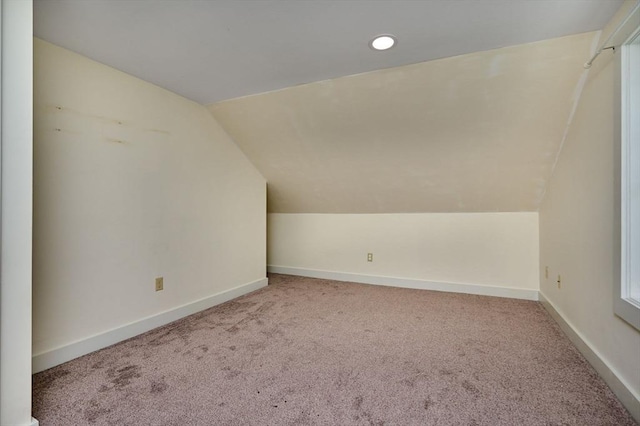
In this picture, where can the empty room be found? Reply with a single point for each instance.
(331, 212)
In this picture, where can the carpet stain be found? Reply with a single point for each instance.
(47, 378)
(232, 308)
(411, 381)
(359, 354)
(427, 403)
(198, 352)
(98, 365)
(93, 412)
(254, 316)
(159, 386)
(232, 374)
(363, 414)
(164, 338)
(471, 388)
(234, 328)
(346, 379)
(122, 377)
(357, 403)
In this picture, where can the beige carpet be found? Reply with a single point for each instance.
(308, 351)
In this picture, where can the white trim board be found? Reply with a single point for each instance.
(608, 373)
(45, 360)
(484, 290)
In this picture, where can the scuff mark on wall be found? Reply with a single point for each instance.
(60, 117)
(495, 67)
(58, 109)
(62, 109)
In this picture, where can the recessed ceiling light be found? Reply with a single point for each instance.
(382, 42)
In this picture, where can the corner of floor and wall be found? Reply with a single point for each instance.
(580, 230)
(132, 183)
(573, 239)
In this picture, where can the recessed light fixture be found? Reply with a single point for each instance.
(382, 42)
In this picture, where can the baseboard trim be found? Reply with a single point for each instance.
(51, 358)
(512, 293)
(608, 374)
(34, 422)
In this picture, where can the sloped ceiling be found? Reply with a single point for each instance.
(473, 133)
(213, 50)
(405, 132)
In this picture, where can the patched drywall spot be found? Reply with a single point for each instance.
(496, 65)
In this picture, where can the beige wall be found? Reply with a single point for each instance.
(132, 182)
(483, 249)
(471, 133)
(579, 227)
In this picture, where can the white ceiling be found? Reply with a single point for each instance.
(210, 51)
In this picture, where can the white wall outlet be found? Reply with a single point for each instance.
(369, 257)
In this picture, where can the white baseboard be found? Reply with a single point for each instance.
(51, 358)
(34, 422)
(608, 374)
(513, 293)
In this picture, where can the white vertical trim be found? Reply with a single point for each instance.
(626, 299)
(16, 196)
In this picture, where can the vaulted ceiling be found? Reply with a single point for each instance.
(467, 113)
(473, 133)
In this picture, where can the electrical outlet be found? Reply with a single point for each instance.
(559, 281)
(369, 257)
(159, 284)
(546, 272)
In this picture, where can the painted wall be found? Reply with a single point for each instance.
(471, 133)
(483, 249)
(16, 224)
(579, 225)
(132, 182)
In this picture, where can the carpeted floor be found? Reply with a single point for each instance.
(308, 351)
